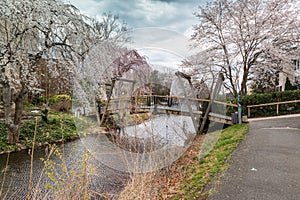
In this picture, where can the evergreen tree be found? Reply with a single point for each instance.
(288, 85)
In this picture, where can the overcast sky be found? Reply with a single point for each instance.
(164, 47)
(175, 15)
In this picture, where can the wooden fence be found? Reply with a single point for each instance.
(271, 104)
(28, 113)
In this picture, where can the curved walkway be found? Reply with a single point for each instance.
(266, 165)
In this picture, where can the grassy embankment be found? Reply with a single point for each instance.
(59, 128)
(187, 177)
(201, 174)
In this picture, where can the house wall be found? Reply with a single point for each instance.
(296, 64)
(292, 72)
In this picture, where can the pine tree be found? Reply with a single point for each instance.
(288, 85)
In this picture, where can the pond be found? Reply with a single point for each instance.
(112, 164)
(15, 186)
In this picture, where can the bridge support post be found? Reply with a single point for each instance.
(213, 96)
(205, 106)
(181, 75)
(155, 100)
(148, 101)
(105, 111)
(170, 101)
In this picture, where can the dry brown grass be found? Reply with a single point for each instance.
(165, 183)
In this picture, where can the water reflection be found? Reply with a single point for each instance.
(149, 146)
(173, 130)
(111, 163)
(15, 186)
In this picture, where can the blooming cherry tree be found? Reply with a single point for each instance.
(32, 30)
(241, 35)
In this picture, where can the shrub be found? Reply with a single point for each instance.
(45, 115)
(41, 99)
(288, 85)
(61, 102)
(256, 99)
(61, 97)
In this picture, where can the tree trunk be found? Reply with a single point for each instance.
(7, 113)
(18, 115)
(244, 86)
(13, 134)
(13, 126)
(7, 104)
(235, 93)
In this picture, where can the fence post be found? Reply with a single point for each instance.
(248, 111)
(277, 109)
(239, 113)
(239, 109)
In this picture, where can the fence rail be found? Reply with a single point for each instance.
(27, 113)
(169, 104)
(271, 104)
(172, 97)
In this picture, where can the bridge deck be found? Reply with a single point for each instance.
(160, 105)
(184, 111)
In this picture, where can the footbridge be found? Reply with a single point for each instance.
(158, 104)
(181, 100)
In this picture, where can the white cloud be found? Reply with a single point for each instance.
(163, 39)
(161, 46)
(176, 15)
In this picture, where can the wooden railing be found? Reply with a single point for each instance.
(271, 104)
(127, 98)
(27, 113)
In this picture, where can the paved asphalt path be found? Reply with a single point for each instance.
(266, 165)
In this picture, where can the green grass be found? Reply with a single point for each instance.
(59, 128)
(212, 163)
